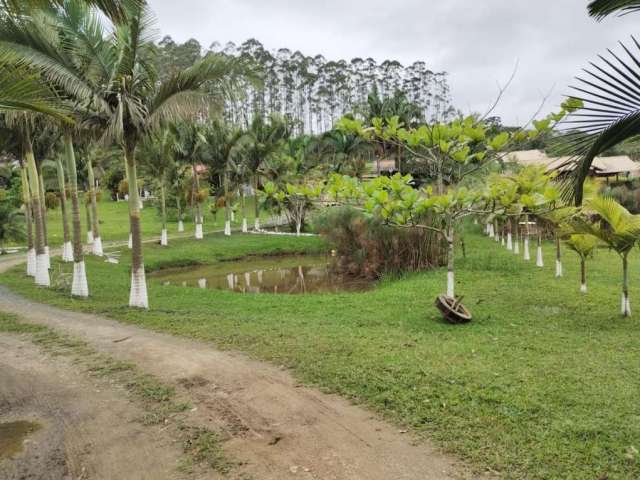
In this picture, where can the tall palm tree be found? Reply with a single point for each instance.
(139, 104)
(263, 139)
(67, 248)
(610, 222)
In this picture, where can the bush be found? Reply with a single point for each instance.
(368, 248)
(51, 200)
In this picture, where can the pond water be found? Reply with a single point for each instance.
(12, 436)
(274, 274)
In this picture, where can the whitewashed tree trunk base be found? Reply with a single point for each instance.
(138, 294)
(227, 228)
(199, 234)
(67, 252)
(130, 242)
(180, 226)
(79, 286)
(256, 225)
(202, 283)
(42, 272)
(164, 239)
(527, 255)
(558, 268)
(233, 216)
(245, 228)
(97, 247)
(31, 262)
(539, 260)
(625, 307)
(89, 238)
(492, 233)
(583, 288)
(502, 241)
(450, 284)
(509, 242)
(516, 248)
(47, 257)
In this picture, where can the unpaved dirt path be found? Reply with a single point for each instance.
(278, 428)
(88, 428)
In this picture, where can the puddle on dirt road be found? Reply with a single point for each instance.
(13, 435)
(282, 274)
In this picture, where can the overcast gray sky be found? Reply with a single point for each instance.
(477, 41)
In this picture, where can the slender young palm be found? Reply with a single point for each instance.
(610, 222)
(584, 245)
(189, 140)
(67, 248)
(226, 145)
(157, 159)
(263, 139)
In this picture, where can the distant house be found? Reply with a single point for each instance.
(608, 167)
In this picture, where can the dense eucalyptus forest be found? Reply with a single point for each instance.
(312, 91)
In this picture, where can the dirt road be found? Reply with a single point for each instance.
(275, 427)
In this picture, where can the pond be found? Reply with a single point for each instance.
(274, 274)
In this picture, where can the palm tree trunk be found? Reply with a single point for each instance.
(43, 207)
(583, 275)
(516, 233)
(256, 221)
(539, 260)
(626, 305)
(95, 228)
(558, 256)
(87, 211)
(227, 207)
(79, 286)
(138, 293)
(450, 254)
(527, 255)
(67, 248)
(164, 239)
(26, 199)
(243, 204)
(42, 270)
(179, 207)
(196, 204)
(509, 225)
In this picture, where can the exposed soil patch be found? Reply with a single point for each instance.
(88, 428)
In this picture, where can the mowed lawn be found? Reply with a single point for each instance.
(114, 220)
(543, 384)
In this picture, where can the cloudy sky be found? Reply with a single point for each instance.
(477, 41)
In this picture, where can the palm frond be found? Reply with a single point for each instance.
(610, 113)
(603, 8)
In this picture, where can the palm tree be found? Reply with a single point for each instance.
(225, 143)
(584, 245)
(189, 142)
(610, 222)
(139, 104)
(157, 158)
(263, 139)
(67, 248)
(606, 103)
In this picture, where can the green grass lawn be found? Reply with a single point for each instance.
(114, 223)
(543, 384)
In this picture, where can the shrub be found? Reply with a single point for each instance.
(51, 200)
(368, 248)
